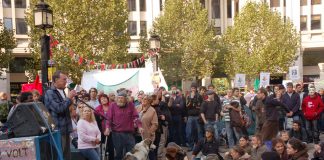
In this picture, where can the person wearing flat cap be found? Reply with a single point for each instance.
(207, 145)
(121, 118)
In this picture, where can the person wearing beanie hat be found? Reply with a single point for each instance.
(207, 145)
(193, 104)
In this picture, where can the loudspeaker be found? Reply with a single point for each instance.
(30, 119)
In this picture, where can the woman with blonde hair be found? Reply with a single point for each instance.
(89, 136)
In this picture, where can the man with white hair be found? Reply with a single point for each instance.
(121, 118)
(312, 107)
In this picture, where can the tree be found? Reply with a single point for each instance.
(188, 43)
(94, 30)
(260, 40)
(7, 43)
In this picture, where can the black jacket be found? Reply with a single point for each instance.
(193, 104)
(206, 147)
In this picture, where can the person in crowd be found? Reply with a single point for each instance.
(249, 96)
(245, 145)
(193, 104)
(58, 104)
(211, 87)
(298, 132)
(202, 92)
(269, 91)
(258, 107)
(89, 135)
(164, 119)
(238, 96)
(282, 113)
(5, 107)
(102, 116)
(297, 150)
(312, 107)
(138, 101)
(292, 100)
(149, 119)
(207, 145)
(236, 119)
(210, 112)
(176, 107)
(300, 90)
(121, 118)
(258, 148)
(36, 95)
(112, 97)
(93, 102)
(279, 146)
(175, 152)
(86, 97)
(237, 153)
(226, 115)
(74, 119)
(319, 151)
(284, 135)
(270, 128)
(82, 91)
(24, 97)
(270, 155)
(321, 122)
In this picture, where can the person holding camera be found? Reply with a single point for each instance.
(176, 106)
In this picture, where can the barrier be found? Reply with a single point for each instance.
(35, 147)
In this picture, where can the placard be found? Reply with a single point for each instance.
(239, 80)
(264, 79)
(17, 149)
(294, 73)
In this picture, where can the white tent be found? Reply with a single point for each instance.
(135, 79)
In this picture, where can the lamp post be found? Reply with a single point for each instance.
(43, 17)
(155, 47)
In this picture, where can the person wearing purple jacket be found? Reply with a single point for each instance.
(121, 118)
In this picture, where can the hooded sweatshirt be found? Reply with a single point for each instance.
(312, 107)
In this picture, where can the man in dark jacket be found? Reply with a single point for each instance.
(208, 145)
(298, 132)
(292, 100)
(194, 100)
(58, 104)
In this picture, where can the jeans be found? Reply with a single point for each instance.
(90, 153)
(123, 143)
(214, 125)
(312, 129)
(191, 128)
(176, 129)
(237, 132)
(229, 133)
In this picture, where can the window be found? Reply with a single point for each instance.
(284, 3)
(215, 9)
(303, 23)
(21, 26)
(229, 8)
(143, 28)
(18, 65)
(237, 7)
(316, 2)
(20, 3)
(132, 29)
(161, 5)
(274, 3)
(7, 23)
(131, 5)
(6, 3)
(142, 5)
(316, 22)
(303, 2)
(218, 30)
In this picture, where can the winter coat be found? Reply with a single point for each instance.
(301, 155)
(312, 107)
(293, 102)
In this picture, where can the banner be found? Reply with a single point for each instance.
(239, 80)
(264, 79)
(294, 73)
(17, 149)
(131, 84)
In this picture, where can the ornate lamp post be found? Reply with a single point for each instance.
(43, 17)
(155, 47)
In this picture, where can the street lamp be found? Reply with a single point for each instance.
(155, 47)
(43, 17)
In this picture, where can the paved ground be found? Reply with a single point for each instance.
(310, 148)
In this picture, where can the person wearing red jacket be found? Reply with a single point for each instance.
(312, 107)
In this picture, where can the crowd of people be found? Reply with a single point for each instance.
(269, 124)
